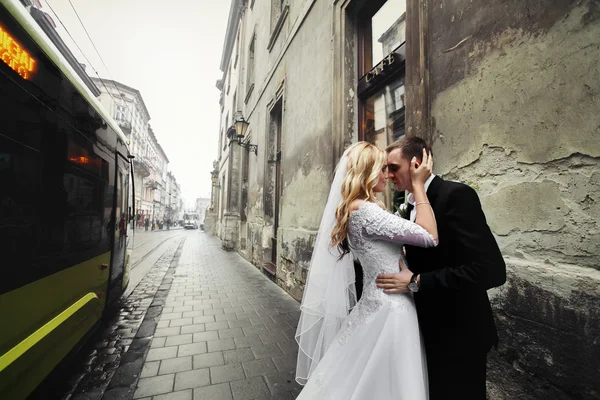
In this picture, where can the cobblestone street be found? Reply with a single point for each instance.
(202, 324)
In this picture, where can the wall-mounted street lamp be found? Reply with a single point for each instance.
(237, 133)
(215, 178)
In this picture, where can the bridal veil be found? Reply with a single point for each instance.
(330, 293)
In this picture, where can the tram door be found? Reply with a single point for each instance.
(121, 218)
(131, 212)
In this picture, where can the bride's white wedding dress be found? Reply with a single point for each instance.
(378, 353)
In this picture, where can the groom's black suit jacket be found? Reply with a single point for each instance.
(453, 307)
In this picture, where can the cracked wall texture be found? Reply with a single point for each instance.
(515, 89)
(304, 75)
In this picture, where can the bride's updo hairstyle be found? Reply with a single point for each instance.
(365, 162)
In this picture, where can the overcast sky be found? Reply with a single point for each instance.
(170, 52)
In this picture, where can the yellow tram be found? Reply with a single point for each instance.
(65, 190)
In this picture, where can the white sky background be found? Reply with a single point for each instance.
(385, 17)
(170, 52)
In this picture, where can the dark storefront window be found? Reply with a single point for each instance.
(381, 71)
(384, 115)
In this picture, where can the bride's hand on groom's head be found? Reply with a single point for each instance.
(421, 170)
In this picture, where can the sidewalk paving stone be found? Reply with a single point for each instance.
(221, 344)
(247, 341)
(191, 349)
(162, 353)
(214, 392)
(179, 339)
(181, 395)
(193, 328)
(208, 360)
(150, 369)
(226, 332)
(155, 385)
(173, 365)
(285, 362)
(231, 333)
(267, 350)
(226, 373)
(250, 389)
(192, 379)
(238, 355)
(260, 367)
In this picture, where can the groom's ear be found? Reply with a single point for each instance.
(419, 161)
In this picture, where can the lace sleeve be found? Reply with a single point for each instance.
(377, 223)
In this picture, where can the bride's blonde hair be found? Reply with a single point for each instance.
(365, 162)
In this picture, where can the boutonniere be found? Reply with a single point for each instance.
(402, 210)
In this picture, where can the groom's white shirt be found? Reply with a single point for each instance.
(410, 199)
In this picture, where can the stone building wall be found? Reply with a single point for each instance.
(515, 94)
(295, 74)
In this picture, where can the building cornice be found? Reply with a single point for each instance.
(162, 151)
(129, 89)
(231, 33)
(158, 146)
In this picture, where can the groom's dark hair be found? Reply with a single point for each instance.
(411, 146)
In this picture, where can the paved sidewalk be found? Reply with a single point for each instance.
(225, 332)
(109, 364)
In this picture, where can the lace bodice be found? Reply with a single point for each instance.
(376, 238)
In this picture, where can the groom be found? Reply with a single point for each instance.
(449, 281)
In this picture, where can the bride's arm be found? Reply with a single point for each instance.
(379, 224)
(425, 216)
(419, 175)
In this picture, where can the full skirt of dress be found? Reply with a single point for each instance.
(377, 355)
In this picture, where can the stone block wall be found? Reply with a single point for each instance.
(515, 94)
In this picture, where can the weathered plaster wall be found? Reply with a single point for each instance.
(303, 203)
(303, 73)
(227, 169)
(307, 146)
(543, 211)
(515, 91)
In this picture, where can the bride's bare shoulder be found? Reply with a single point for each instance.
(355, 205)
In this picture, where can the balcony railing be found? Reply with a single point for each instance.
(125, 126)
(142, 166)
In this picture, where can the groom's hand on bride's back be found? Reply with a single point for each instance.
(395, 283)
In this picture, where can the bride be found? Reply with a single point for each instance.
(375, 352)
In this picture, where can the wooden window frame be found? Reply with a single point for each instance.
(365, 62)
(416, 73)
(278, 26)
(251, 68)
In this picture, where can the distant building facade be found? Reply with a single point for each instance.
(174, 208)
(151, 162)
(202, 205)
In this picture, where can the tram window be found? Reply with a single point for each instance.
(48, 223)
(20, 177)
(84, 212)
(57, 170)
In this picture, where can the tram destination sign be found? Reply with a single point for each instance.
(15, 56)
